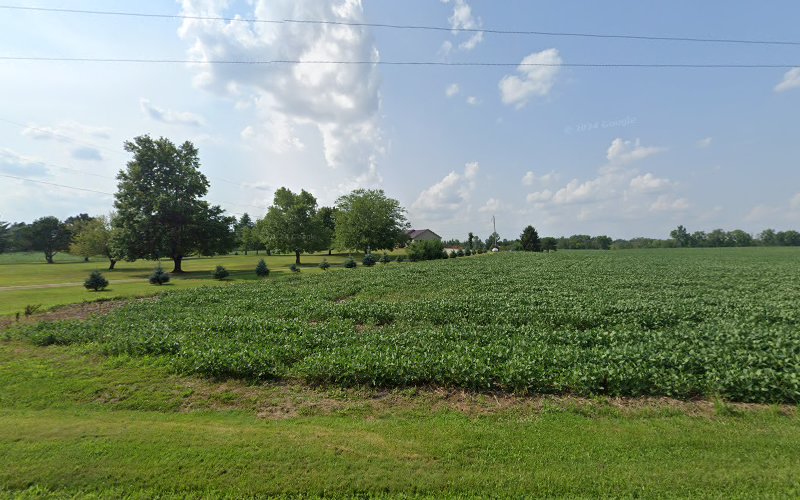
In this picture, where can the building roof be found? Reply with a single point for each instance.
(413, 233)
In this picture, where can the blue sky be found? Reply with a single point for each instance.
(626, 152)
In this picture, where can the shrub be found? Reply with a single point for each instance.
(294, 268)
(31, 308)
(95, 281)
(220, 273)
(400, 258)
(159, 277)
(385, 259)
(369, 260)
(453, 254)
(262, 271)
(467, 252)
(443, 255)
(425, 250)
(350, 263)
(460, 253)
(324, 265)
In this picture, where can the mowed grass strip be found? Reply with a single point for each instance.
(440, 454)
(77, 423)
(26, 280)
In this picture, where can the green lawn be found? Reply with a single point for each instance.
(76, 423)
(129, 279)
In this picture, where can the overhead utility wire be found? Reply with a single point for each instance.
(412, 27)
(97, 146)
(402, 63)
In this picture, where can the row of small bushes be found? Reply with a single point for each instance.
(434, 250)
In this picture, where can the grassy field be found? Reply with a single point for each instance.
(496, 375)
(76, 423)
(26, 280)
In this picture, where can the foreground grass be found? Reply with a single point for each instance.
(75, 423)
(26, 280)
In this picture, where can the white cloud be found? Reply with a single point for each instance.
(463, 19)
(66, 132)
(450, 194)
(493, 205)
(791, 80)
(666, 203)
(170, 116)
(472, 41)
(86, 153)
(12, 163)
(452, 89)
(342, 101)
(649, 183)
(761, 213)
(277, 134)
(534, 81)
(622, 152)
(540, 196)
(795, 202)
(704, 143)
(530, 178)
(473, 101)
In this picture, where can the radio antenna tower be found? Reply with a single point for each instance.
(494, 233)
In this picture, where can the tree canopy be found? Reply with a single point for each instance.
(293, 224)
(160, 210)
(530, 240)
(366, 219)
(95, 237)
(48, 235)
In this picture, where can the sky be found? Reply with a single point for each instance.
(626, 152)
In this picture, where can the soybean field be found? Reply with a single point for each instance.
(679, 323)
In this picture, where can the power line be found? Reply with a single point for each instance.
(414, 27)
(26, 179)
(54, 184)
(404, 63)
(96, 146)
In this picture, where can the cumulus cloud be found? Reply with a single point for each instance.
(12, 163)
(170, 116)
(86, 153)
(704, 143)
(341, 101)
(622, 152)
(530, 178)
(666, 203)
(493, 205)
(473, 101)
(649, 183)
(463, 19)
(532, 80)
(277, 134)
(452, 90)
(540, 196)
(66, 132)
(450, 194)
(791, 80)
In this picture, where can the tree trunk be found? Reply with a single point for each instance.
(329, 251)
(111, 264)
(177, 261)
(86, 259)
(269, 252)
(245, 252)
(297, 257)
(48, 257)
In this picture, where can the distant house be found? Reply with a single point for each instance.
(422, 234)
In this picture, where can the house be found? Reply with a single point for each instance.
(422, 234)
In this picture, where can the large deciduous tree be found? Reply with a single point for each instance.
(96, 237)
(160, 210)
(293, 224)
(5, 236)
(530, 240)
(366, 219)
(48, 235)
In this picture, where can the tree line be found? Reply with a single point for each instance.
(159, 212)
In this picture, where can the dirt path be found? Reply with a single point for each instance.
(54, 285)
